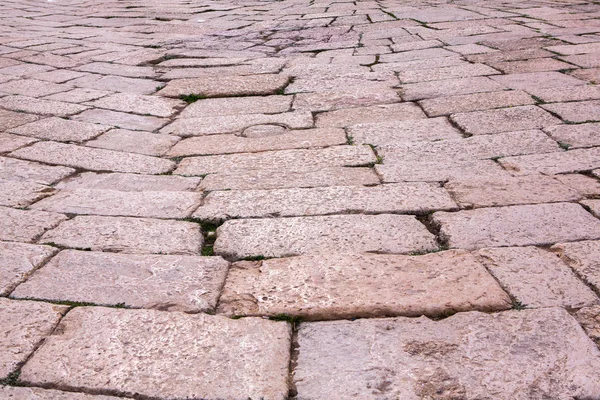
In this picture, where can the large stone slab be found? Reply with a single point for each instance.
(537, 278)
(18, 260)
(10, 142)
(540, 224)
(438, 170)
(237, 105)
(12, 119)
(61, 130)
(576, 136)
(553, 163)
(121, 120)
(577, 112)
(475, 102)
(449, 87)
(22, 193)
(130, 182)
(93, 159)
(283, 237)
(392, 198)
(168, 283)
(583, 257)
(362, 115)
(152, 144)
(589, 318)
(25, 393)
(537, 80)
(164, 355)
(227, 86)
(452, 72)
(127, 235)
(25, 171)
(336, 286)
(513, 355)
(139, 104)
(40, 106)
(24, 325)
(26, 225)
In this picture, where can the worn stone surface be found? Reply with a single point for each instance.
(582, 111)
(589, 318)
(545, 351)
(220, 86)
(119, 119)
(18, 260)
(61, 130)
(127, 235)
(237, 105)
(475, 102)
(351, 116)
(162, 282)
(25, 393)
(198, 353)
(24, 325)
(583, 258)
(383, 133)
(553, 163)
(139, 104)
(130, 182)
(26, 225)
(576, 136)
(11, 119)
(284, 237)
(429, 90)
(18, 170)
(10, 142)
(40, 106)
(21, 194)
(540, 224)
(438, 170)
(537, 80)
(333, 286)
(152, 144)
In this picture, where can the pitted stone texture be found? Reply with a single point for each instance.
(26, 171)
(576, 136)
(295, 160)
(228, 124)
(352, 116)
(237, 106)
(11, 119)
(584, 258)
(336, 286)
(25, 393)
(537, 278)
(32, 87)
(282, 237)
(544, 353)
(152, 144)
(167, 283)
(116, 84)
(450, 87)
(103, 349)
(526, 225)
(382, 133)
(226, 86)
(139, 104)
(130, 182)
(553, 163)
(150, 204)
(127, 235)
(589, 318)
(225, 144)
(24, 325)
(21, 194)
(438, 170)
(40, 106)
(453, 72)
(507, 191)
(339, 98)
(26, 225)
(279, 179)
(18, 260)
(573, 93)
(79, 95)
(61, 130)
(392, 198)
(504, 120)
(582, 111)
(586, 185)
(121, 120)
(93, 159)
(475, 102)
(537, 80)
(10, 142)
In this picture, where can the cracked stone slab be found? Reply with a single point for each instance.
(61, 130)
(93, 159)
(18, 260)
(26, 225)
(127, 235)
(522, 225)
(130, 182)
(26, 171)
(24, 325)
(438, 170)
(553, 163)
(237, 106)
(537, 278)
(337, 286)
(362, 115)
(22, 193)
(150, 204)
(152, 144)
(168, 283)
(392, 198)
(139, 104)
(589, 318)
(25, 393)
(104, 349)
(283, 237)
(583, 258)
(227, 86)
(475, 102)
(40, 106)
(10, 142)
(581, 111)
(542, 353)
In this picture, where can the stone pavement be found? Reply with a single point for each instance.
(299, 199)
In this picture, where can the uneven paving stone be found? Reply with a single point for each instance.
(139, 104)
(150, 204)
(529, 66)
(571, 93)
(507, 191)
(453, 72)
(582, 111)
(32, 87)
(588, 186)
(537, 278)
(438, 170)
(589, 319)
(127, 235)
(26, 225)
(26, 171)
(22, 193)
(130, 182)
(449, 87)
(167, 283)
(382, 133)
(11, 119)
(593, 206)
(334, 286)
(18, 260)
(25, 393)
(117, 69)
(40, 106)
(504, 120)
(537, 80)
(576, 136)
(107, 349)
(521, 225)
(553, 163)
(152, 144)
(116, 84)
(61, 130)
(352, 116)
(475, 102)
(225, 144)
(339, 98)
(592, 75)
(227, 86)
(296, 160)
(93, 159)
(122, 120)
(583, 258)
(283, 237)
(78, 95)
(24, 325)
(10, 142)
(237, 106)
(543, 353)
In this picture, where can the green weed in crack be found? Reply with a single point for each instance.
(11, 380)
(192, 98)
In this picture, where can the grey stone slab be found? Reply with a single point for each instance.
(130, 182)
(26, 171)
(26, 225)
(18, 261)
(61, 130)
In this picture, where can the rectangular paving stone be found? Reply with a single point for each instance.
(507, 191)
(283, 237)
(26, 225)
(10, 142)
(12, 169)
(570, 93)
(504, 120)
(18, 261)
(61, 130)
(22, 193)
(226, 144)
(168, 283)
(104, 349)
(438, 170)
(530, 66)
(78, 95)
(422, 54)
(130, 182)
(152, 144)
(449, 87)
(583, 258)
(150, 204)
(121, 120)
(24, 325)
(32, 87)
(352, 116)
(12, 119)
(339, 98)
(521, 225)
(537, 80)
(553, 163)
(537, 278)
(336, 286)
(25, 393)
(40, 106)
(127, 235)
(576, 136)
(392, 198)
(139, 104)
(581, 111)
(516, 355)
(453, 72)
(227, 86)
(589, 319)
(93, 159)
(475, 102)
(116, 84)
(237, 106)
(296, 160)
(394, 132)
(117, 69)
(589, 60)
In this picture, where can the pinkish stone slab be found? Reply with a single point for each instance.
(10, 142)
(575, 136)
(25, 393)
(582, 111)
(61, 130)
(438, 170)
(40, 106)
(153, 144)
(449, 87)
(237, 106)
(227, 86)
(12, 169)
(139, 104)
(394, 132)
(18, 261)
(352, 116)
(130, 182)
(553, 163)
(583, 258)
(475, 102)
(537, 80)
(22, 193)
(121, 120)
(26, 225)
